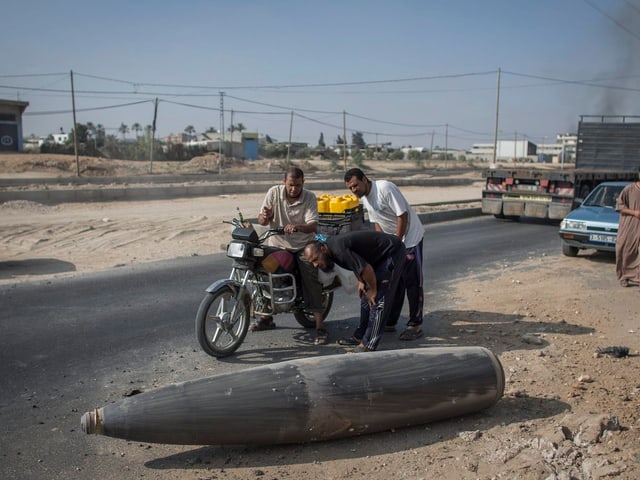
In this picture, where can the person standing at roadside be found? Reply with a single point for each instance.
(296, 210)
(628, 240)
(390, 212)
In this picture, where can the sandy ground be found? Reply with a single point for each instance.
(567, 413)
(39, 241)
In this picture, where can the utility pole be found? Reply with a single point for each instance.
(515, 148)
(344, 138)
(75, 126)
(231, 130)
(446, 142)
(221, 136)
(495, 130)
(153, 135)
(289, 144)
(433, 132)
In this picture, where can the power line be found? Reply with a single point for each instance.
(300, 85)
(91, 109)
(286, 110)
(605, 14)
(572, 82)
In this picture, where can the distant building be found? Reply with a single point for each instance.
(406, 150)
(237, 144)
(33, 143)
(176, 138)
(60, 138)
(11, 125)
(564, 150)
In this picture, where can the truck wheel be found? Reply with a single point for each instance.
(569, 250)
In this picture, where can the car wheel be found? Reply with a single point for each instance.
(569, 250)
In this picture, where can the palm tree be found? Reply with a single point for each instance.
(91, 133)
(236, 128)
(189, 130)
(123, 130)
(137, 128)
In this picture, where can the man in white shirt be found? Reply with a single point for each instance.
(390, 212)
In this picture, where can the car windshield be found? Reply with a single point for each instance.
(603, 196)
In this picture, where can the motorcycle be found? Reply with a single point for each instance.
(257, 286)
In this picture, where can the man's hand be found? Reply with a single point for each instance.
(290, 228)
(371, 296)
(368, 278)
(267, 213)
(361, 289)
(265, 216)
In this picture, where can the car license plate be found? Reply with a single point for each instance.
(597, 237)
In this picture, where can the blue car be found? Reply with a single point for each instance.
(594, 224)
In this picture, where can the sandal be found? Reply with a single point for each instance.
(263, 323)
(411, 333)
(351, 342)
(322, 337)
(359, 349)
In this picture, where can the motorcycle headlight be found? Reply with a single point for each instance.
(573, 225)
(237, 250)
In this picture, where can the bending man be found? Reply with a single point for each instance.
(377, 260)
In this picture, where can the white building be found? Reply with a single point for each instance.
(60, 138)
(564, 150)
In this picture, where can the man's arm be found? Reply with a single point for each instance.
(403, 224)
(622, 205)
(368, 277)
(310, 216)
(266, 210)
(265, 216)
(628, 211)
(311, 227)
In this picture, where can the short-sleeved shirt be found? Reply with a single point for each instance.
(385, 203)
(303, 211)
(354, 250)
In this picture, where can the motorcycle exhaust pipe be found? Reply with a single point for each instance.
(310, 399)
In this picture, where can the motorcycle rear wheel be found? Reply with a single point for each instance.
(222, 321)
(305, 318)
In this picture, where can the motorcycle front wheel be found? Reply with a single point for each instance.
(305, 318)
(222, 321)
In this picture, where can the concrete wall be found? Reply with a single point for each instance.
(126, 192)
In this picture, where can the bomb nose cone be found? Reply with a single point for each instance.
(89, 422)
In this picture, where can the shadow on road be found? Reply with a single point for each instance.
(506, 411)
(34, 266)
(496, 331)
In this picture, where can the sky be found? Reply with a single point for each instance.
(411, 72)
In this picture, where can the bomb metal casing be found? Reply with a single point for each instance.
(310, 399)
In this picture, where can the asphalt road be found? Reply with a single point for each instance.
(69, 346)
